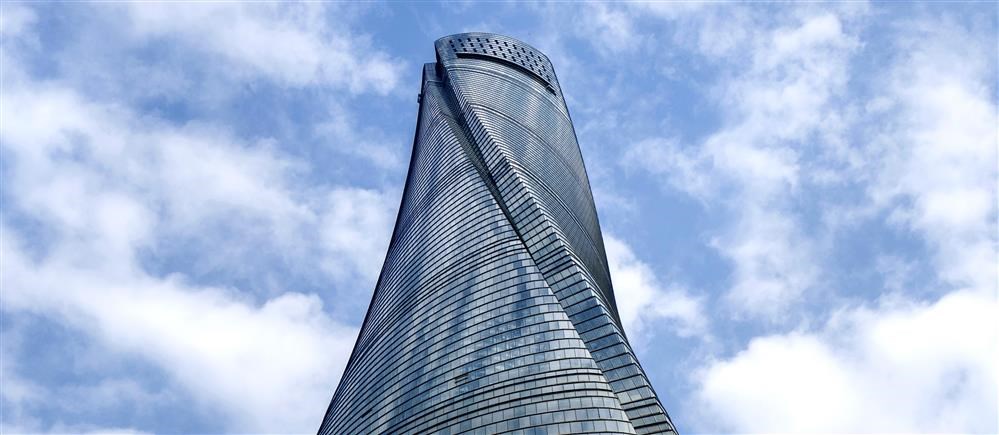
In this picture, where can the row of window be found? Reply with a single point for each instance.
(486, 318)
(499, 123)
(450, 284)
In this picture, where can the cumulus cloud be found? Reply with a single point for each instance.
(901, 365)
(614, 27)
(934, 148)
(187, 179)
(16, 20)
(677, 168)
(292, 44)
(344, 135)
(920, 150)
(779, 98)
(645, 304)
(131, 229)
(96, 195)
(355, 230)
(107, 190)
(212, 341)
(897, 367)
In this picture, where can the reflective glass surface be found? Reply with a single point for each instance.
(494, 311)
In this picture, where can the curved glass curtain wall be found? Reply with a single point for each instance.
(494, 311)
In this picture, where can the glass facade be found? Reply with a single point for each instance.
(494, 311)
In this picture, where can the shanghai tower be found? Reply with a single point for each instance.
(494, 311)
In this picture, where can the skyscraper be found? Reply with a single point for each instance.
(494, 311)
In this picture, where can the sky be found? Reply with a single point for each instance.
(799, 203)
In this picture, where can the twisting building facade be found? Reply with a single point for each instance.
(494, 311)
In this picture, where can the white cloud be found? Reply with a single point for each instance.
(935, 149)
(355, 230)
(16, 20)
(131, 186)
(779, 97)
(212, 341)
(902, 365)
(899, 367)
(670, 10)
(111, 183)
(645, 304)
(678, 168)
(343, 135)
(772, 259)
(292, 44)
(610, 28)
(107, 185)
(764, 243)
(924, 152)
(192, 179)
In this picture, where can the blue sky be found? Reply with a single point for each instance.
(799, 203)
